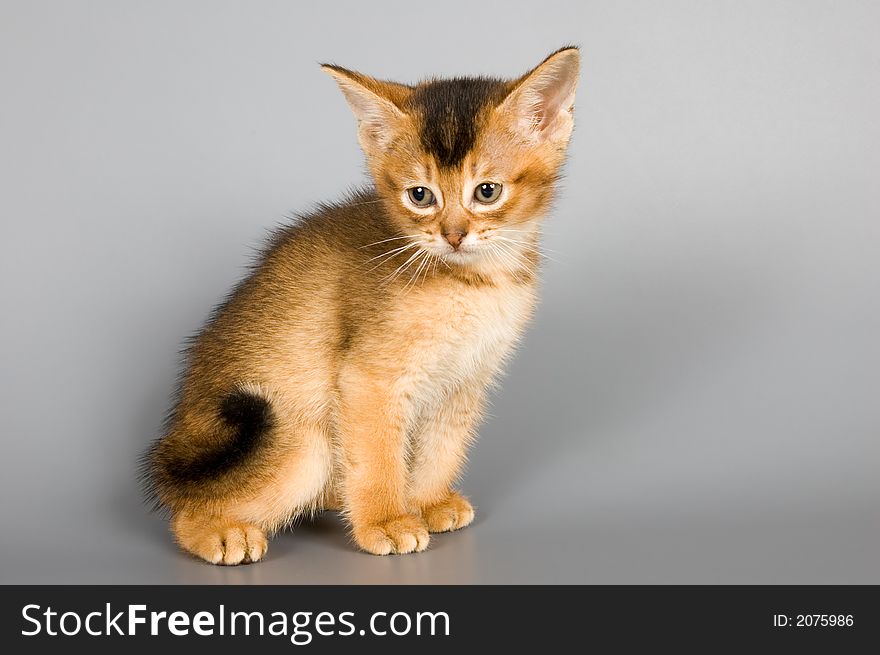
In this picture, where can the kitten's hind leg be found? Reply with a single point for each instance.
(219, 540)
(233, 530)
(235, 469)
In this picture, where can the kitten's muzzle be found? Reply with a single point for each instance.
(455, 237)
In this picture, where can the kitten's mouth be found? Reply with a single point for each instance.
(461, 255)
(466, 254)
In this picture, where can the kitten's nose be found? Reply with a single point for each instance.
(454, 237)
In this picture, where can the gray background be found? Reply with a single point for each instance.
(698, 398)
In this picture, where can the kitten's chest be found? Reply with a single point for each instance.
(465, 335)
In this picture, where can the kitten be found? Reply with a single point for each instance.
(349, 370)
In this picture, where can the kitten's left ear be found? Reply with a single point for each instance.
(542, 101)
(375, 103)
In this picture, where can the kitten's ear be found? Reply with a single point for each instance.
(375, 103)
(541, 103)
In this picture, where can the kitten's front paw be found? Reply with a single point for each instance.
(451, 514)
(405, 534)
(221, 542)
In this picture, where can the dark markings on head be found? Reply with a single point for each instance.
(450, 110)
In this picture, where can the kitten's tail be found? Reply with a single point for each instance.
(205, 458)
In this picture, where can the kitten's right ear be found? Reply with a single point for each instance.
(542, 101)
(375, 103)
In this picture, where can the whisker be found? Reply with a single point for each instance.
(423, 269)
(413, 280)
(503, 262)
(528, 247)
(400, 269)
(537, 234)
(502, 243)
(522, 222)
(375, 243)
(388, 257)
(428, 270)
(394, 250)
(515, 258)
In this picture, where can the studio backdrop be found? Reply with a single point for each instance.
(696, 400)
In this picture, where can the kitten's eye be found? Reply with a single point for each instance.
(421, 196)
(487, 192)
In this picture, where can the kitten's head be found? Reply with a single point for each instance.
(467, 166)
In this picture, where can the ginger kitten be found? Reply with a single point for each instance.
(349, 370)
